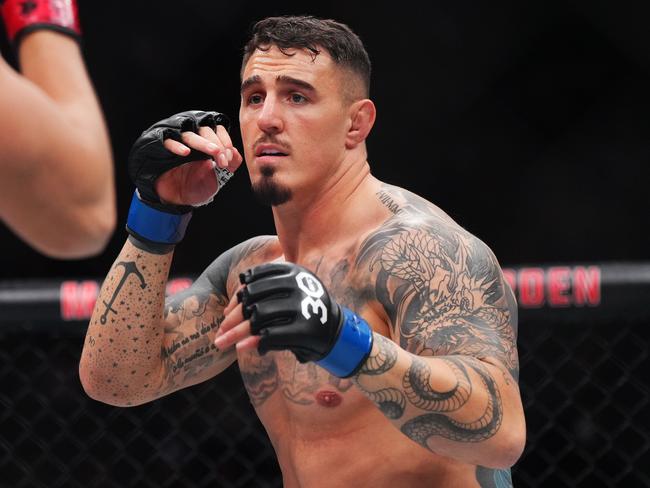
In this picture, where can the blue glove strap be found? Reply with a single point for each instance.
(351, 348)
(155, 225)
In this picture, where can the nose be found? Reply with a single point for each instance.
(270, 117)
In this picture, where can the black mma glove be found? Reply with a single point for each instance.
(289, 308)
(161, 225)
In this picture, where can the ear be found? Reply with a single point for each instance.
(362, 118)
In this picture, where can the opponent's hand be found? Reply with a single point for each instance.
(288, 307)
(182, 161)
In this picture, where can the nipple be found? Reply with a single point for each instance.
(328, 398)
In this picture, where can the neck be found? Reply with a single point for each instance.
(330, 217)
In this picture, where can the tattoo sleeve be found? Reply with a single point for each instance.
(453, 321)
(138, 347)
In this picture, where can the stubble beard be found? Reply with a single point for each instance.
(268, 191)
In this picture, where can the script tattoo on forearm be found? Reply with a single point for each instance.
(198, 345)
(187, 353)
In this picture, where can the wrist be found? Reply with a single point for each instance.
(21, 18)
(151, 247)
(352, 346)
(158, 230)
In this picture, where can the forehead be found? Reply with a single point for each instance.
(296, 63)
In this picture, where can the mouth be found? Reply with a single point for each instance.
(270, 151)
(269, 158)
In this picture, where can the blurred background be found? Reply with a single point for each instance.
(527, 122)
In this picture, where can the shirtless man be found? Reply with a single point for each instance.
(56, 168)
(376, 337)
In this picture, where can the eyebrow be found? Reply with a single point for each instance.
(282, 80)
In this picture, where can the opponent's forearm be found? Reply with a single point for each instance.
(457, 406)
(121, 362)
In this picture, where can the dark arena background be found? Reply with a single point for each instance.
(528, 122)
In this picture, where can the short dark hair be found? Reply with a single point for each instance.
(311, 33)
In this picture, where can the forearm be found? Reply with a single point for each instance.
(121, 361)
(457, 406)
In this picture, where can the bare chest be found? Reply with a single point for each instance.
(278, 382)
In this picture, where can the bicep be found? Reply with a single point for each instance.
(32, 125)
(445, 295)
(42, 146)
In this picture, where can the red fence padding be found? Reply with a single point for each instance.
(571, 293)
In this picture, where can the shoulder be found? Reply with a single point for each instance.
(429, 273)
(223, 272)
(402, 202)
(420, 228)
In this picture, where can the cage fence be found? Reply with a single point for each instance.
(583, 343)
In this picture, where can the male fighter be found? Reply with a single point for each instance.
(56, 168)
(376, 337)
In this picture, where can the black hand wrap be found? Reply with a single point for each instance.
(149, 159)
(289, 308)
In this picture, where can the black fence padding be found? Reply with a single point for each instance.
(585, 390)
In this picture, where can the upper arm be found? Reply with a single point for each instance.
(191, 319)
(33, 129)
(444, 293)
(15, 97)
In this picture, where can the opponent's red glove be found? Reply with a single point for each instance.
(24, 16)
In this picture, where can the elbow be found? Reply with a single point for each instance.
(113, 386)
(97, 232)
(510, 448)
(93, 382)
(88, 236)
(513, 449)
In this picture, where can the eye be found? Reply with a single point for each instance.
(298, 98)
(255, 99)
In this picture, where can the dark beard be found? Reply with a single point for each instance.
(269, 192)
